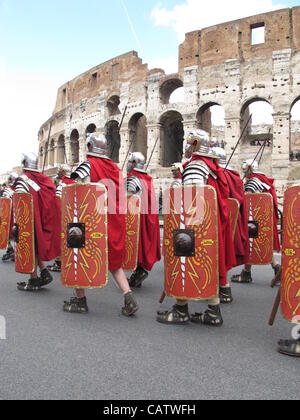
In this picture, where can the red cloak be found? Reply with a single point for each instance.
(241, 241)
(46, 217)
(149, 244)
(67, 181)
(270, 182)
(106, 171)
(227, 258)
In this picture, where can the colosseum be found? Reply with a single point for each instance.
(222, 66)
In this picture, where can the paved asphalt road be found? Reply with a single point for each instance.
(52, 355)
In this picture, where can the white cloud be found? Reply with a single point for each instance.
(168, 64)
(194, 14)
(27, 101)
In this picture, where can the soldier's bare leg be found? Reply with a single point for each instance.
(78, 304)
(130, 304)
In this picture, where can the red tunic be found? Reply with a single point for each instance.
(46, 217)
(241, 241)
(106, 171)
(149, 244)
(226, 247)
(270, 182)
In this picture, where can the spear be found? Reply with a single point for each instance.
(152, 153)
(239, 140)
(47, 145)
(262, 149)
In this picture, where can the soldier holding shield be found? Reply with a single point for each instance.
(8, 193)
(237, 192)
(193, 250)
(259, 183)
(100, 169)
(149, 253)
(36, 231)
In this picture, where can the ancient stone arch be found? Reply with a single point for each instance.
(172, 138)
(169, 86)
(61, 152)
(74, 143)
(91, 128)
(112, 133)
(113, 104)
(138, 133)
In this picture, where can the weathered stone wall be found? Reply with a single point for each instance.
(217, 66)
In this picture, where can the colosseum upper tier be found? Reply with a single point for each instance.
(221, 65)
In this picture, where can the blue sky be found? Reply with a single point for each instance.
(44, 43)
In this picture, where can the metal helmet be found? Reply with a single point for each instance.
(12, 176)
(30, 162)
(64, 170)
(136, 161)
(221, 155)
(249, 166)
(96, 144)
(197, 142)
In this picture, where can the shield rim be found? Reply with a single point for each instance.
(17, 194)
(139, 232)
(237, 218)
(94, 184)
(10, 217)
(182, 298)
(272, 228)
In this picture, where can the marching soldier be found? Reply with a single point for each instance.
(139, 182)
(45, 215)
(258, 182)
(8, 192)
(237, 192)
(202, 169)
(63, 179)
(100, 169)
(288, 297)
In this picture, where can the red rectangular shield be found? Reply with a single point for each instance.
(234, 211)
(132, 232)
(260, 216)
(290, 283)
(85, 260)
(192, 266)
(24, 233)
(5, 221)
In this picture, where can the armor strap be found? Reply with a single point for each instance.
(83, 171)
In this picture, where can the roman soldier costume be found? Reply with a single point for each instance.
(149, 253)
(98, 168)
(259, 183)
(62, 180)
(40, 191)
(203, 170)
(237, 192)
(8, 193)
